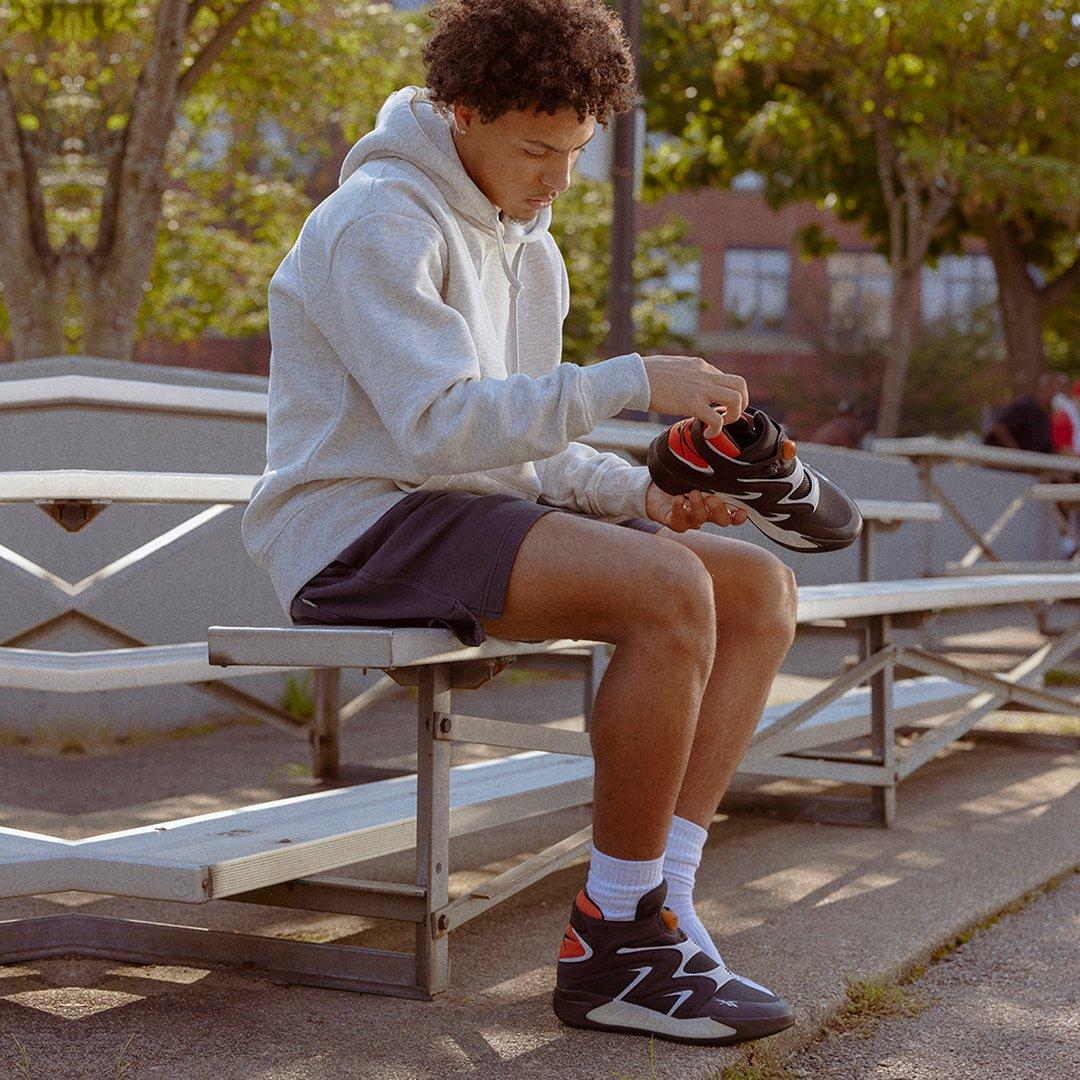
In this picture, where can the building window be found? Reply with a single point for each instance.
(860, 297)
(755, 289)
(683, 315)
(954, 290)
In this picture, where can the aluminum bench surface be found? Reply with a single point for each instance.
(110, 669)
(381, 647)
(214, 856)
(118, 486)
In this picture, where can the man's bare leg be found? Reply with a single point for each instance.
(654, 599)
(756, 598)
(623, 960)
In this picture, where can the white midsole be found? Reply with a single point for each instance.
(627, 1014)
(770, 528)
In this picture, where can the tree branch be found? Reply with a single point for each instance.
(886, 165)
(135, 177)
(217, 44)
(24, 237)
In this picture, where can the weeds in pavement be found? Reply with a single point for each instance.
(23, 1064)
(123, 1066)
(755, 1066)
(650, 1058)
(871, 1001)
(121, 1071)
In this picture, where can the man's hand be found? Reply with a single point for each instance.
(680, 513)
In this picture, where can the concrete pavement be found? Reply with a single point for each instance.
(799, 907)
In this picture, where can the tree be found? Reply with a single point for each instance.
(864, 106)
(107, 116)
(581, 225)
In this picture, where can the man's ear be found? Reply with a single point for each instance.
(463, 118)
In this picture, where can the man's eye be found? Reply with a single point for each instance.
(531, 154)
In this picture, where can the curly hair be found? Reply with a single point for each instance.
(501, 55)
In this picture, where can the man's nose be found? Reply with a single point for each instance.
(557, 179)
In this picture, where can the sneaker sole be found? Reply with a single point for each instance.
(793, 541)
(598, 1013)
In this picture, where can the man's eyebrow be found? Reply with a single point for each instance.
(548, 146)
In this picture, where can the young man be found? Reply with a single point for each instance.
(422, 470)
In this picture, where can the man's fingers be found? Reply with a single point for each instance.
(724, 404)
(736, 384)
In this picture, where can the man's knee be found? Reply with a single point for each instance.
(679, 606)
(768, 599)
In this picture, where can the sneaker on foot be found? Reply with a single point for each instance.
(645, 977)
(753, 464)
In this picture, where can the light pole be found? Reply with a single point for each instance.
(621, 303)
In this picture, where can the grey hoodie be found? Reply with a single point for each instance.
(416, 341)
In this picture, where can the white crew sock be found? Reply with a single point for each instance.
(616, 885)
(682, 856)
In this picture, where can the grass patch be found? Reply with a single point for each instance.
(516, 676)
(755, 1066)
(1062, 677)
(299, 695)
(292, 770)
(870, 1001)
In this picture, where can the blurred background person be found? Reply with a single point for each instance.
(849, 427)
(1026, 423)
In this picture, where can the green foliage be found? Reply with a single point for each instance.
(581, 225)
(299, 695)
(954, 373)
(301, 79)
(250, 133)
(980, 97)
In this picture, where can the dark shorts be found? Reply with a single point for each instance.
(436, 558)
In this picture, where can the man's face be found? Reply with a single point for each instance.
(521, 156)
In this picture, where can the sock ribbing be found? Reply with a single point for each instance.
(682, 857)
(616, 885)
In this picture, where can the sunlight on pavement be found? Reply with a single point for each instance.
(72, 1002)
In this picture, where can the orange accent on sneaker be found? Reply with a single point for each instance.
(571, 946)
(679, 443)
(671, 920)
(724, 443)
(587, 907)
(788, 450)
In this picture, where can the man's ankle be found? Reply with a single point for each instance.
(616, 885)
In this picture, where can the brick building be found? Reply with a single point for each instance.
(786, 323)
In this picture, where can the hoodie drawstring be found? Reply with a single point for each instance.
(516, 287)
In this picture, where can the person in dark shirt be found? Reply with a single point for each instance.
(847, 427)
(1025, 424)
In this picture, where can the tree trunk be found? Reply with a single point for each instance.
(110, 307)
(35, 305)
(904, 313)
(1020, 305)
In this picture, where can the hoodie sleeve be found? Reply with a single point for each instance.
(382, 311)
(582, 478)
(594, 482)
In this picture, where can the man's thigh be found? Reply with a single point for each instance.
(580, 578)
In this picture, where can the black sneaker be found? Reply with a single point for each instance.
(645, 977)
(753, 464)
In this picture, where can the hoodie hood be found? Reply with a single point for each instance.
(411, 128)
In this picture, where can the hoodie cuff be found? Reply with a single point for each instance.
(636, 495)
(615, 384)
